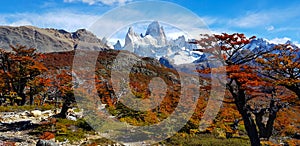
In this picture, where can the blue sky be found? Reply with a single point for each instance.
(271, 19)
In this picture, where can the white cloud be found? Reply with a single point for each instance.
(280, 40)
(22, 22)
(270, 28)
(105, 2)
(112, 21)
(251, 20)
(297, 43)
(283, 41)
(209, 20)
(263, 18)
(174, 35)
(283, 29)
(58, 19)
(168, 13)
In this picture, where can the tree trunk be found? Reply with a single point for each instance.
(269, 126)
(295, 89)
(66, 105)
(259, 122)
(266, 129)
(298, 93)
(250, 127)
(43, 99)
(31, 99)
(274, 108)
(23, 96)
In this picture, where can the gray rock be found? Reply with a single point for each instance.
(46, 143)
(25, 113)
(71, 117)
(47, 113)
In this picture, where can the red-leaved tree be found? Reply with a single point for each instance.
(243, 81)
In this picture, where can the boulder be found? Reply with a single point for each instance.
(36, 113)
(47, 112)
(71, 117)
(46, 143)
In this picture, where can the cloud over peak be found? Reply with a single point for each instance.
(104, 2)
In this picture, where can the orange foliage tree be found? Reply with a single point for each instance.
(18, 68)
(243, 82)
(64, 87)
(39, 85)
(282, 67)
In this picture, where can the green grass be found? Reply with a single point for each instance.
(204, 140)
(72, 130)
(25, 107)
(65, 129)
(76, 130)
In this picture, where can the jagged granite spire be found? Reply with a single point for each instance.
(118, 45)
(157, 32)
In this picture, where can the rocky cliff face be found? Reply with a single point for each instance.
(157, 32)
(154, 36)
(48, 40)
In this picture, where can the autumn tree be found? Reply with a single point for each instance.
(64, 89)
(243, 82)
(39, 86)
(105, 91)
(282, 67)
(18, 68)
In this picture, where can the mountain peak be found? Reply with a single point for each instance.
(288, 42)
(155, 36)
(157, 32)
(153, 28)
(118, 45)
(130, 30)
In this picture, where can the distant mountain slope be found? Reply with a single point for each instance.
(48, 40)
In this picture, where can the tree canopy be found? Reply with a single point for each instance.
(18, 69)
(245, 83)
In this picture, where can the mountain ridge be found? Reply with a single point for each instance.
(47, 40)
(174, 51)
(153, 44)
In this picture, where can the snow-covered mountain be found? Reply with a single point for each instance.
(178, 51)
(157, 33)
(155, 44)
(258, 44)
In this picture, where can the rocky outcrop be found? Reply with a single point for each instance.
(16, 126)
(34, 116)
(49, 40)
